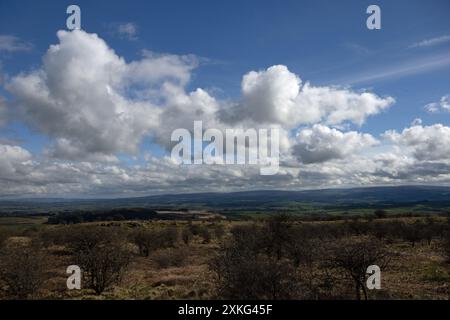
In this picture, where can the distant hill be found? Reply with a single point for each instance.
(431, 197)
(322, 196)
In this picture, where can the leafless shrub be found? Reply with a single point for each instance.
(200, 230)
(243, 275)
(55, 236)
(357, 227)
(257, 263)
(23, 270)
(302, 249)
(380, 213)
(4, 235)
(354, 255)
(172, 257)
(277, 234)
(205, 234)
(150, 240)
(102, 255)
(412, 233)
(219, 231)
(186, 235)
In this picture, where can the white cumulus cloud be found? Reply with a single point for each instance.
(425, 142)
(90, 100)
(278, 96)
(321, 143)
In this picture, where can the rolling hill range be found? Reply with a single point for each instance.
(406, 198)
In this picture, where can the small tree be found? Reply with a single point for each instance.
(102, 255)
(354, 255)
(241, 274)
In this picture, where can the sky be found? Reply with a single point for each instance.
(89, 113)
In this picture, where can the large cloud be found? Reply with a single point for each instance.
(21, 175)
(12, 161)
(90, 100)
(277, 95)
(182, 109)
(321, 143)
(425, 142)
(94, 105)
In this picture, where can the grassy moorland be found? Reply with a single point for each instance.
(281, 257)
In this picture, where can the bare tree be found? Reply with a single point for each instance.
(102, 255)
(248, 266)
(243, 274)
(354, 255)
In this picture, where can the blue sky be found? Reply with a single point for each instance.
(323, 42)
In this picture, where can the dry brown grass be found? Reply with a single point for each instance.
(418, 272)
